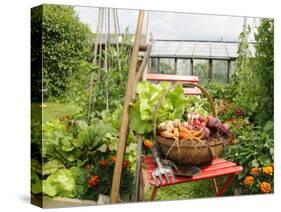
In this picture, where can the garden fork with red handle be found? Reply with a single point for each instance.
(161, 169)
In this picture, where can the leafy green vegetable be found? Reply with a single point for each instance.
(60, 183)
(51, 166)
(142, 110)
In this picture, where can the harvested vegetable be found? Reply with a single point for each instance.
(176, 132)
(167, 134)
(147, 143)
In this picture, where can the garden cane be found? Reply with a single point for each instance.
(114, 196)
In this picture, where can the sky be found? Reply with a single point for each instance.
(176, 26)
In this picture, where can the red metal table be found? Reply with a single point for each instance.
(217, 168)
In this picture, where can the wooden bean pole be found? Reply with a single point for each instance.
(114, 196)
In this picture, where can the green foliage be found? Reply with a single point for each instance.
(219, 90)
(148, 95)
(51, 166)
(201, 70)
(111, 82)
(253, 147)
(66, 48)
(60, 183)
(253, 77)
(173, 106)
(103, 170)
(36, 183)
(36, 53)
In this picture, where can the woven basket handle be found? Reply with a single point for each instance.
(203, 90)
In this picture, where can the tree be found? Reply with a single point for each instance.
(66, 46)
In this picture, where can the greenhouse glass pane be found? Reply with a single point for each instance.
(202, 50)
(218, 50)
(232, 49)
(153, 65)
(219, 71)
(200, 69)
(183, 67)
(167, 66)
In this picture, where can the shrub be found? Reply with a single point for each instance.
(66, 42)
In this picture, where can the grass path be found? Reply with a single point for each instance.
(52, 111)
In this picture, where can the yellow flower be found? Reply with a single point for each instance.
(265, 187)
(255, 171)
(268, 170)
(249, 181)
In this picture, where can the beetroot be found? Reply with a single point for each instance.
(207, 132)
(213, 123)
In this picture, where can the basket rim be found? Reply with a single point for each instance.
(190, 143)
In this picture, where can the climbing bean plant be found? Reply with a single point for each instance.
(253, 78)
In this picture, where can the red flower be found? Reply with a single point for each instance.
(93, 181)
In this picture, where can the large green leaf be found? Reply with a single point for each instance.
(51, 166)
(60, 183)
(142, 110)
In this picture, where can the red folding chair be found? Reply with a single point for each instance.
(217, 168)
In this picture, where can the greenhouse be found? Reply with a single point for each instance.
(182, 57)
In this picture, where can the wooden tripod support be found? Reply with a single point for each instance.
(114, 196)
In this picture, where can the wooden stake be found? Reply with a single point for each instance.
(114, 197)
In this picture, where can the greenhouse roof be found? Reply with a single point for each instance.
(196, 49)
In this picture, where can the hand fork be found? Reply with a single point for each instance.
(161, 170)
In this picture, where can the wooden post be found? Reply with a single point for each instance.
(191, 66)
(210, 71)
(138, 169)
(114, 196)
(228, 70)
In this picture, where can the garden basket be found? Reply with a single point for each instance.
(192, 152)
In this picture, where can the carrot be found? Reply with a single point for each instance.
(183, 129)
(197, 133)
(182, 135)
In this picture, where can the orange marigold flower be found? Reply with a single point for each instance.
(249, 181)
(93, 181)
(148, 144)
(255, 171)
(265, 187)
(268, 170)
